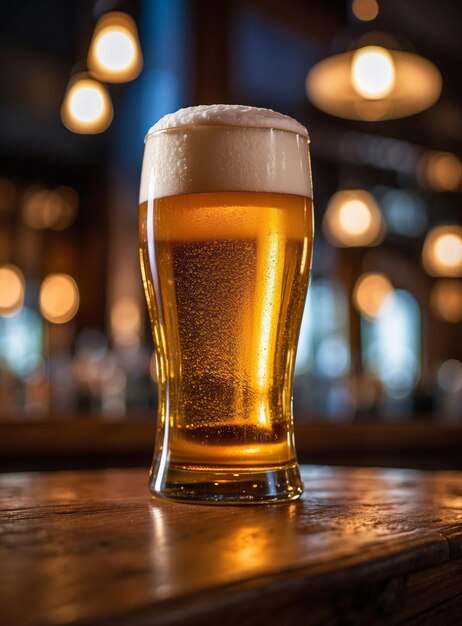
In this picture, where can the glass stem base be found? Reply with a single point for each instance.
(227, 486)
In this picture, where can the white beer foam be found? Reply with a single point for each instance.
(225, 148)
(229, 115)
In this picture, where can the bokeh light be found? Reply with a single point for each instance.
(440, 171)
(115, 50)
(448, 250)
(353, 218)
(86, 103)
(21, 342)
(370, 293)
(449, 376)
(333, 357)
(55, 209)
(373, 72)
(446, 300)
(11, 290)
(59, 298)
(404, 211)
(373, 83)
(115, 53)
(126, 322)
(391, 344)
(365, 10)
(67, 202)
(87, 106)
(442, 251)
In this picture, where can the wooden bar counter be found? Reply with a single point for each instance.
(363, 546)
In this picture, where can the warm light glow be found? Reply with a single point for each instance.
(11, 290)
(448, 250)
(373, 83)
(86, 103)
(446, 300)
(126, 322)
(442, 251)
(370, 293)
(115, 50)
(66, 201)
(441, 171)
(353, 218)
(365, 10)
(115, 54)
(59, 298)
(33, 207)
(87, 106)
(44, 208)
(373, 72)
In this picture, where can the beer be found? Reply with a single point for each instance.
(225, 274)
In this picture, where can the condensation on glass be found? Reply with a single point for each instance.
(226, 233)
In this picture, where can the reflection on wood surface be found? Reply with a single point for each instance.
(362, 546)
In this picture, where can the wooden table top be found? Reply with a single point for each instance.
(362, 546)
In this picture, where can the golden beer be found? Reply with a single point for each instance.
(225, 275)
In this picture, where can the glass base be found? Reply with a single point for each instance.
(217, 486)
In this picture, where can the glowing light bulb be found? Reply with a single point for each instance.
(115, 50)
(442, 251)
(115, 53)
(87, 107)
(86, 104)
(355, 217)
(373, 72)
(59, 298)
(372, 83)
(11, 290)
(370, 292)
(448, 250)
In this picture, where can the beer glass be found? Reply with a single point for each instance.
(226, 232)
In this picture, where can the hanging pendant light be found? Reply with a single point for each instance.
(87, 106)
(372, 83)
(115, 52)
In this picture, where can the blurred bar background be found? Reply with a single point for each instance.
(379, 367)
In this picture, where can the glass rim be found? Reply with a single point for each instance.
(243, 127)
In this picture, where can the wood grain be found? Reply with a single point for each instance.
(361, 547)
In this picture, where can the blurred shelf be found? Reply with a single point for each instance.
(419, 443)
(92, 442)
(76, 441)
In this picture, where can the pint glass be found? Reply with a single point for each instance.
(226, 233)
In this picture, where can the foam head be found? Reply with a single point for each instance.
(225, 148)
